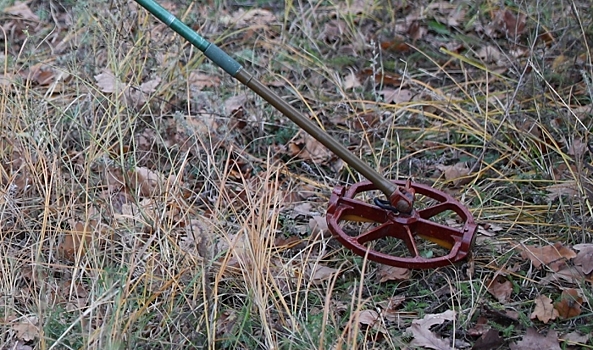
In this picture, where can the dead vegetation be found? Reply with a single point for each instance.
(149, 201)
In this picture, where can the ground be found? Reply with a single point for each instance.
(148, 200)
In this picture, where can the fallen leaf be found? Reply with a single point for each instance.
(391, 273)
(351, 81)
(489, 54)
(26, 329)
(416, 30)
(202, 80)
(371, 318)
(532, 340)
(577, 148)
(569, 274)
(390, 306)
(21, 9)
(570, 189)
(108, 83)
(78, 239)
(232, 104)
(480, 328)
(548, 254)
(226, 322)
(145, 182)
(490, 340)
(570, 303)
(253, 17)
(320, 273)
(489, 229)
(584, 258)
(576, 338)
(333, 31)
(420, 330)
(318, 226)
(501, 288)
(396, 95)
(308, 148)
(364, 121)
(544, 309)
(303, 209)
(508, 23)
(458, 173)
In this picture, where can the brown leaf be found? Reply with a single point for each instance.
(108, 82)
(570, 303)
(318, 226)
(544, 310)
(575, 338)
(420, 330)
(77, 240)
(26, 329)
(371, 318)
(490, 340)
(333, 31)
(382, 77)
(254, 17)
(569, 189)
(501, 288)
(480, 328)
(364, 121)
(532, 340)
(202, 80)
(21, 9)
(458, 173)
(396, 95)
(489, 54)
(416, 30)
(509, 23)
(569, 274)
(390, 307)
(584, 258)
(146, 182)
(351, 81)
(308, 148)
(547, 254)
(225, 323)
(320, 273)
(232, 104)
(391, 273)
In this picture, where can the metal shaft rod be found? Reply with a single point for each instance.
(232, 67)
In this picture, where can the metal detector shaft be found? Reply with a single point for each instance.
(233, 68)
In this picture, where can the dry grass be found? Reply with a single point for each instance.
(153, 214)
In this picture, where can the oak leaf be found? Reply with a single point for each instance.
(491, 339)
(422, 334)
(371, 318)
(320, 273)
(548, 254)
(457, 173)
(570, 303)
(501, 288)
(532, 340)
(584, 258)
(392, 273)
(27, 329)
(544, 309)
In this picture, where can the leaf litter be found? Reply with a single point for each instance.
(418, 26)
